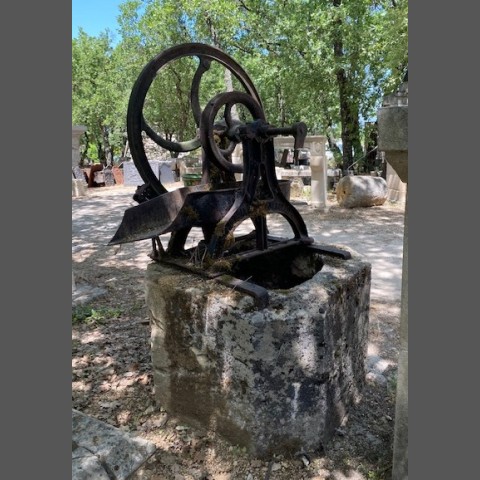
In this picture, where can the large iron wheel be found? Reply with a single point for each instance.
(137, 125)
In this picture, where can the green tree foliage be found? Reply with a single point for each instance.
(96, 98)
(325, 62)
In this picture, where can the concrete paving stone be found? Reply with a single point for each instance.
(85, 466)
(102, 451)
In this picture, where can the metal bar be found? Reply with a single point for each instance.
(259, 293)
(332, 251)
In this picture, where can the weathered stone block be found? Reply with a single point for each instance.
(131, 175)
(101, 451)
(361, 191)
(272, 380)
(296, 187)
(79, 188)
(392, 120)
(397, 190)
(166, 173)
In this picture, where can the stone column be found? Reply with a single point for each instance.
(393, 140)
(237, 158)
(318, 165)
(397, 190)
(79, 186)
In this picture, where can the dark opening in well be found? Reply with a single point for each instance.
(279, 269)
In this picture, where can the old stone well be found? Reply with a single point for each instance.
(261, 339)
(277, 379)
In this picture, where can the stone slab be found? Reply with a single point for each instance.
(84, 293)
(86, 465)
(397, 190)
(131, 176)
(393, 137)
(166, 173)
(393, 128)
(101, 451)
(79, 188)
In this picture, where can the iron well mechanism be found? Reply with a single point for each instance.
(220, 203)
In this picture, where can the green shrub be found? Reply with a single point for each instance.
(88, 315)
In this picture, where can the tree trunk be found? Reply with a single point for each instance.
(333, 147)
(229, 88)
(332, 143)
(281, 107)
(228, 74)
(84, 151)
(348, 110)
(346, 120)
(100, 152)
(371, 162)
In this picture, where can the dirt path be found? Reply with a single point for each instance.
(112, 378)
